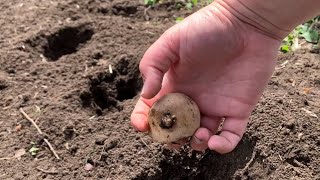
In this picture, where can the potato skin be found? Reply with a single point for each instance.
(186, 118)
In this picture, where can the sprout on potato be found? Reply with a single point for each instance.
(173, 117)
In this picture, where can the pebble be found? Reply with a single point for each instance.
(88, 167)
(99, 140)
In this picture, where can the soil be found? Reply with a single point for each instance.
(56, 58)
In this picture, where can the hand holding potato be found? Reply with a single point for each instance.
(220, 62)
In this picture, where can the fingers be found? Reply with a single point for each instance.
(211, 123)
(157, 61)
(199, 141)
(209, 126)
(231, 134)
(139, 115)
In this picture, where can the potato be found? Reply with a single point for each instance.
(173, 117)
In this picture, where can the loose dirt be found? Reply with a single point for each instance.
(56, 58)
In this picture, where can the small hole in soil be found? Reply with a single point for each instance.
(107, 91)
(3, 82)
(124, 10)
(127, 89)
(3, 85)
(66, 41)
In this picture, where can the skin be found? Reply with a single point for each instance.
(223, 62)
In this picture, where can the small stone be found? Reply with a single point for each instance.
(100, 139)
(17, 128)
(88, 167)
(289, 124)
(110, 144)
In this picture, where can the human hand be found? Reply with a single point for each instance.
(222, 63)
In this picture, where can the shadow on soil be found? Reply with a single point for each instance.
(211, 166)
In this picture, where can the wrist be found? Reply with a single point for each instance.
(274, 18)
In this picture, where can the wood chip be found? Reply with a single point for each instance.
(283, 65)
(312, 114)
(110, 69)
(306, 90)
(17, 128)
(53, 171)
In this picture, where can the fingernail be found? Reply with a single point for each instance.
(136, 129)
(197, 140)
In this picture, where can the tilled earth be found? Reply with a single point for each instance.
(72, 66)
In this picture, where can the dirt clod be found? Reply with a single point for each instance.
(100, 139)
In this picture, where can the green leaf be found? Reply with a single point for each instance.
(189, 5)
(303, 29)
(178, 6)
(179, 19)
(285, 48)
(149, 2)
(34, 150)
(194, 2)
(311, 36)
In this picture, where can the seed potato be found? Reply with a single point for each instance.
(173, 117)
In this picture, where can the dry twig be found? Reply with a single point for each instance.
(31, 120)
(6, 158)
(47, 171)
(250, 162)
(144, 142)
(146, 14)
(40, 132)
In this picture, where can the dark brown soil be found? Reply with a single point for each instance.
(55, 58)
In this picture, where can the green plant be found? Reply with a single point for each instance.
(150, 2)
(191, 4)
(308, 32)
(290, 42)
(209, 1)
(33, 150)
(304, 31)
(179, 19)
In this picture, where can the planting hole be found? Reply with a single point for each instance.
(107, 90)
(66, 41)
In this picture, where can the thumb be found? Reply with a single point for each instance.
(157, 61)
